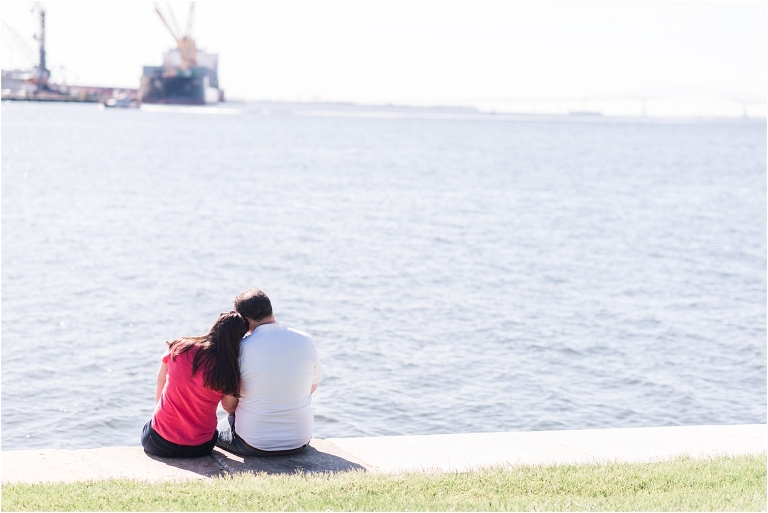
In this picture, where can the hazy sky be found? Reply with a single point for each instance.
(419, 52)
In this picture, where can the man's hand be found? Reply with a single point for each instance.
(229, 403)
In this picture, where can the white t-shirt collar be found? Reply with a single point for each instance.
(266, 328)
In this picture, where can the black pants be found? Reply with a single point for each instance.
(156, 445)
(232, 442)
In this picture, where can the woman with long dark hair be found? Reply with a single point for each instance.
(195, 375)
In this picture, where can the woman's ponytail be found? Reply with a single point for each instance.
(219, 355)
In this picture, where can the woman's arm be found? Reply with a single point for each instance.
(161, 375)
(229, 403)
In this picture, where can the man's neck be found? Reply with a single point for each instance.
(252, 325)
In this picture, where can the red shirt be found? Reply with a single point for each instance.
(186, 412)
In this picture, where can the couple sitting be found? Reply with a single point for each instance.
(264, 382)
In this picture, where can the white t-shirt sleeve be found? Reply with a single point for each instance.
(318, 377)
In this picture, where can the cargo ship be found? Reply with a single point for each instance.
(187, 76)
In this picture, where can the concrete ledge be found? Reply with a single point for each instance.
(104, 463)
(393, 454)
(464, 452)
(133, 463)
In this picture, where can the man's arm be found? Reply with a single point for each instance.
(161, 375)
(229, 403)
(314, 387)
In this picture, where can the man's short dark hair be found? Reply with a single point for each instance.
(253, 304)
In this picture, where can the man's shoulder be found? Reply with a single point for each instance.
(300, 333)
(303, 334)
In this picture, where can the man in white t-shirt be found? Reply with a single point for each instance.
(279, 372)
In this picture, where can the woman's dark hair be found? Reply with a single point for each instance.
(218, 353)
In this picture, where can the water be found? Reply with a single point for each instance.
(466, 274)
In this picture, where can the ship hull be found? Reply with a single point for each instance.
(177, 90)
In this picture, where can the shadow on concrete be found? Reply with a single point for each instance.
(204, 466)
(316, 458)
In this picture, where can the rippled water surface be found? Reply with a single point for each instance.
(458, 275)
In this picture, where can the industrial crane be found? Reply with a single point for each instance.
(184, 41)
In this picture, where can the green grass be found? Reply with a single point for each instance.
(683, 484)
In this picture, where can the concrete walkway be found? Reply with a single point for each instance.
(392, 454)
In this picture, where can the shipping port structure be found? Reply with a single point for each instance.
(187, 75)
(35, 84)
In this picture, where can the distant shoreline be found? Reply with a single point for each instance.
(391, 111)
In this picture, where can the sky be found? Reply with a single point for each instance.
(424, 53)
